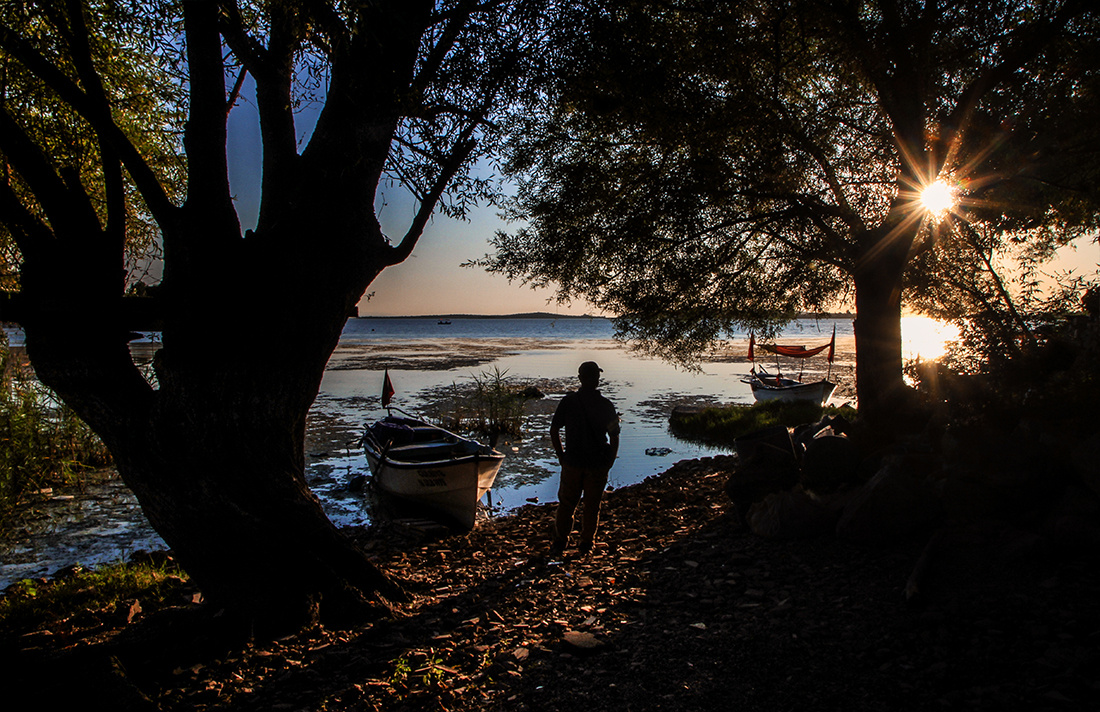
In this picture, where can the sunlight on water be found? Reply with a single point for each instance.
(926, 338)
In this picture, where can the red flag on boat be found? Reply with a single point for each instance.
(832, 345)
(752, 345)
(387, 390)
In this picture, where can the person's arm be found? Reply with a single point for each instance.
(555, 434)
(613, 429)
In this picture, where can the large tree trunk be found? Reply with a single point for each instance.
(215, 452)
(878, 281)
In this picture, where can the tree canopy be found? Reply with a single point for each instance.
(707, 167)
(118, 55)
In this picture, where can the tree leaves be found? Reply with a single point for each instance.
(699, 168)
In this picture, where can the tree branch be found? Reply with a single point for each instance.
(272, 69)
(31, 235)
(457, 19)
(53, 194)
(275, 106)
(115, 228)
(462, 150)
(1026, 45)
(205, 132)
(244, 47)
(235, 93)
(144, 178)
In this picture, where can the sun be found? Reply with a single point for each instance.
(938, 197)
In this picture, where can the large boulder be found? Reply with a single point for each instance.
(829, 425)
(1086, 463)
(995, 472)
(1072, 522)
(897, 501)
(796, 514)
(766, 464)
(829, 463)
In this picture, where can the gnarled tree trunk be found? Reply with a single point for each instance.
(215, 450)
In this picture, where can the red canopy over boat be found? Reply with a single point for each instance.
(794, 351)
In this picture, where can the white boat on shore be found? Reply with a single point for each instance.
(431, 466)
(767, 387)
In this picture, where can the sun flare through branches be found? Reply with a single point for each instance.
(938, 197)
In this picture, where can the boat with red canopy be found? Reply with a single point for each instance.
(767, 387)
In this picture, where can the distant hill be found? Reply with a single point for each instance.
(525, 315)
(548, 315)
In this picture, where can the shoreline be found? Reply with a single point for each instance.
(679, 607)
(338, 415)
(551, 315)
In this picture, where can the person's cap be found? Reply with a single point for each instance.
(589, 367)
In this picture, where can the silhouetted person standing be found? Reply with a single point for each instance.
(591, 445)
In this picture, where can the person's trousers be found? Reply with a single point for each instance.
(577, 481)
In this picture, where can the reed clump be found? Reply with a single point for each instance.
(493, 406)
(42, 442)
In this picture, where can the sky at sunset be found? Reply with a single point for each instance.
(432, 280)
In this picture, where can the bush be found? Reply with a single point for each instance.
(495, 407)
(42, 441)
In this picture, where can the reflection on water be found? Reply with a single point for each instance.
(102, 525)
(106, 524)
(926, 338)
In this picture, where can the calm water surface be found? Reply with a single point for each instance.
(425, 359)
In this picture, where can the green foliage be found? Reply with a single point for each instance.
(137, 78)
(41, 440)
(30, 604)
(423, 667)
(721, 426)
(1053, 376)
(401, 671)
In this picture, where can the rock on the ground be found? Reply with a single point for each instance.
(795, 514)
(830, 462)
(895, 502)
(767, 465)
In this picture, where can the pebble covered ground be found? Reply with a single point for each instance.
(678, 608)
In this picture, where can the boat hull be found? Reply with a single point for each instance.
(447, 473)
(815, 392)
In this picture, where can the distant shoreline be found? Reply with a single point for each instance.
(548, 315)
(525, 315)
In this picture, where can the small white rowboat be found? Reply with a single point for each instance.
(431, 466)
(766, 387)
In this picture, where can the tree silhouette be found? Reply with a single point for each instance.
(114, 128)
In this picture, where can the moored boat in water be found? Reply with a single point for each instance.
(431, 466)
(767, 387)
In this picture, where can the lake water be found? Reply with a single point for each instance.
(426, 360)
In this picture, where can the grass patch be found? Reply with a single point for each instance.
(34, 603)
(721, 426)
